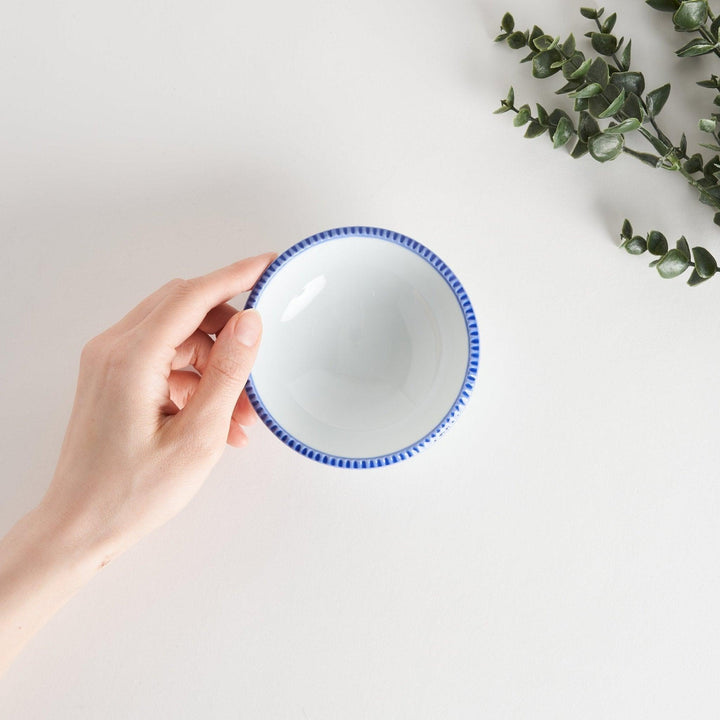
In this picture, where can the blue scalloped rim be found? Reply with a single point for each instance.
(470, 372)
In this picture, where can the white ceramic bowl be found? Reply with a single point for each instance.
(370, 347)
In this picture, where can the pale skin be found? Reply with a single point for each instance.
(143, 436)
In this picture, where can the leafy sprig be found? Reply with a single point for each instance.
(670, 263)
(610, 105)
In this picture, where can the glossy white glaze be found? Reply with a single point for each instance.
(365, 347)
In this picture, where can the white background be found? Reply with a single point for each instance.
(555, 555)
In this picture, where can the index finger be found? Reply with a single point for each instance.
(182, 310)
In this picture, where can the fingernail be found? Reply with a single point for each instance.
(248, 327)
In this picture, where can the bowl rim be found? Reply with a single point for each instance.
(470, 371)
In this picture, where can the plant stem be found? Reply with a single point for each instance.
(690, 179)
(632, 153)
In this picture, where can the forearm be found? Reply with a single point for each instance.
(42, 565)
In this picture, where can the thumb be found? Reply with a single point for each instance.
(211, 406)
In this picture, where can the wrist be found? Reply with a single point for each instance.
(59, 543)
(41, 568)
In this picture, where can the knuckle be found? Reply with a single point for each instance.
(178, 286)
(113, 355)
(183, 286)
(93, 350)
(175, 283)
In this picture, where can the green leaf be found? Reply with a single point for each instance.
(555, 116)
(623, 127)
(563, 132)
(587, 127)
(711, 166)
(691, 15)
(523, 116)
(627, 230)
(633, 107)
(507, 103)
(588, 91)
(656, 99)
(707, 126)
(604, 43)
(609, 23)
(672, 264)
(542, 115)
(683, 144)
(713, 83)
(695, 279)
(579, 150)
(654, 262)
(695, 47)
(581, 104)
(534, 129)
(657, 243)
(568, 47)
(715, 27)
(517, 40)
(631, 82)
(614, 107)
(710, 146)
(664, 5)
(625, 56)
(599, 73)
(658, 144)
(605, 147)
(536, 32)
(507, 23)
(710, 194)
(693, 164)
(543, 42)
(589, 13)
(581, 70)
(683, 247)
(716, 218)
(575, 61)
(542, 64)
(705, 264)
(569, 86)
(600, 103)
(635, 245)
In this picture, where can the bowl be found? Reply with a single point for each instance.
(370, 347)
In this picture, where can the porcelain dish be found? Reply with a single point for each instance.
(370, 347)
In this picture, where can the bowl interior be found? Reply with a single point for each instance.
(364, 349)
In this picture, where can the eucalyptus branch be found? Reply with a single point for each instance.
(605, 92)
(610, 104)
(670, 263)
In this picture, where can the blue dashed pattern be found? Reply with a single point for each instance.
(470, 372)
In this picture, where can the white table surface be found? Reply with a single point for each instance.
(555, 555)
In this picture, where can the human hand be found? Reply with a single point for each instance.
(144, 433)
